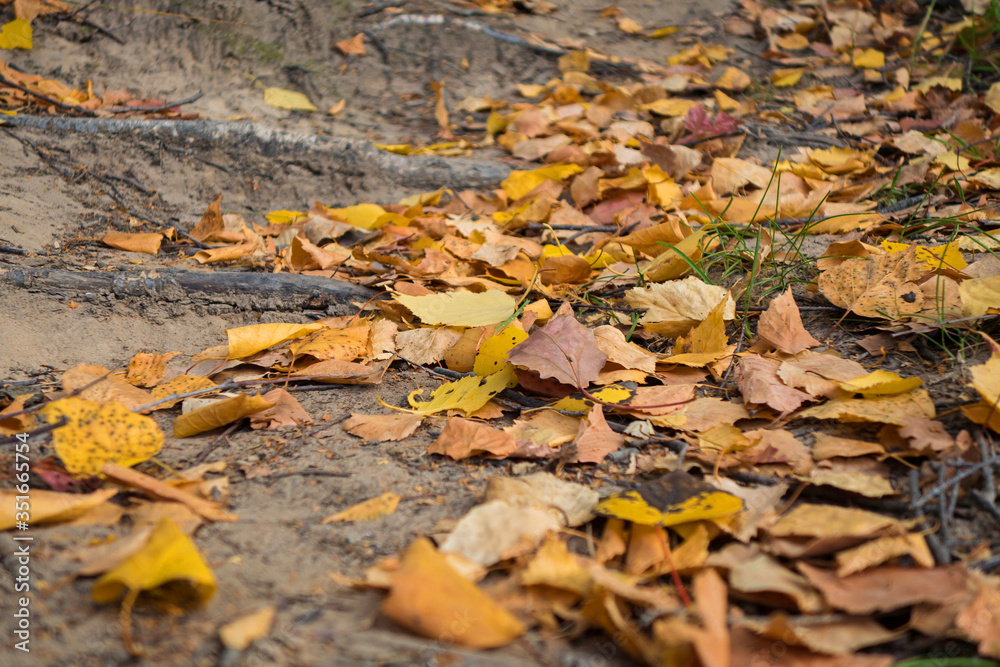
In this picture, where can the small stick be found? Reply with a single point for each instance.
(159, 107)
(203, 454)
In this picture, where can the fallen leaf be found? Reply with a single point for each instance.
(170, 557)
(886, 588)
(147, 370)
(428, 596)
(181, 384)
(879, 286)
(674, 498)
(374, 508)
(219, 413)
(238, 634)
(382, 428)
(291, 100)
(144, 243)
(674, 308)
(49, 507)
(285, 411)
(355, 46)
(158, 489)
(564, 350)
(95, 434)
(759, 383)
(595, 439)
(467, 394)
(85, 381)
(780, 326)
(572, 504)
(462, 438)
(885, 410)
(460, 308)
(247, 341)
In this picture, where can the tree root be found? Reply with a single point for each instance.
(347, 155)
(244, 291)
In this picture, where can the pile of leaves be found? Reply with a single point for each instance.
(631, 312)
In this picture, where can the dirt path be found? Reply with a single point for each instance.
(278, 553)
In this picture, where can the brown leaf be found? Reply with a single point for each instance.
(886, 588)
(160, 490)
(595, 440)
(781, 326)
(878, 286)
(563, 349)
(355, 46)
(382, 428)
(462, 438)
(145, 243)
(112, 389)
(211, 221)
(759, 383)
(287, 411)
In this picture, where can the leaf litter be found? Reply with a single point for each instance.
(628, 309)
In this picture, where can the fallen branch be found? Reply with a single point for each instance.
(245, 291)
(342, 154)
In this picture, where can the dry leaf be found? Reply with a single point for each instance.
(374, 508)
(780, 326)
(462, 438)
(237, 635)
(382, 428)
(564, 350)
(219, 413)
(428, 596)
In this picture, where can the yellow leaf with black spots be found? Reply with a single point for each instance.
(671, 500)
(95, 434)
(492, 355)
(619, 394)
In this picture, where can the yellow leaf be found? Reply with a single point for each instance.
(786, 78)
(986, 381)
(673, 499)
(881, 383)
(344, 344)
(676, 260)
(431, 599)
(398, 149)
(284, 217)
(15, 35)
(870, 58)
(169, 557)
(669, 106)
(374, 508)
(492, 354)
(948, 256)
(980, 296)
(630, 26)
(281, 98)
(247, 341)
(460, 309)
(951, 83)
(733, 79)
(793, 42)
(239, 634)
(520, 183)
(180, 384)
(660, 33)
(992, 98)
(219, 413)
(883, 410)
(146, 370)
(50, 506)
(952, 161)
(365, 216)
(95, 434)
(467, 394)
(663, 191)
(617, 394)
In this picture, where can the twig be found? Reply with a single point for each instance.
(45, 98)
(438, 19)
(986, 504)
(203, 454)
(300, 473)
(99, 28)
(7, 250)
(34, 433)
(159, 107)
(184, 151)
